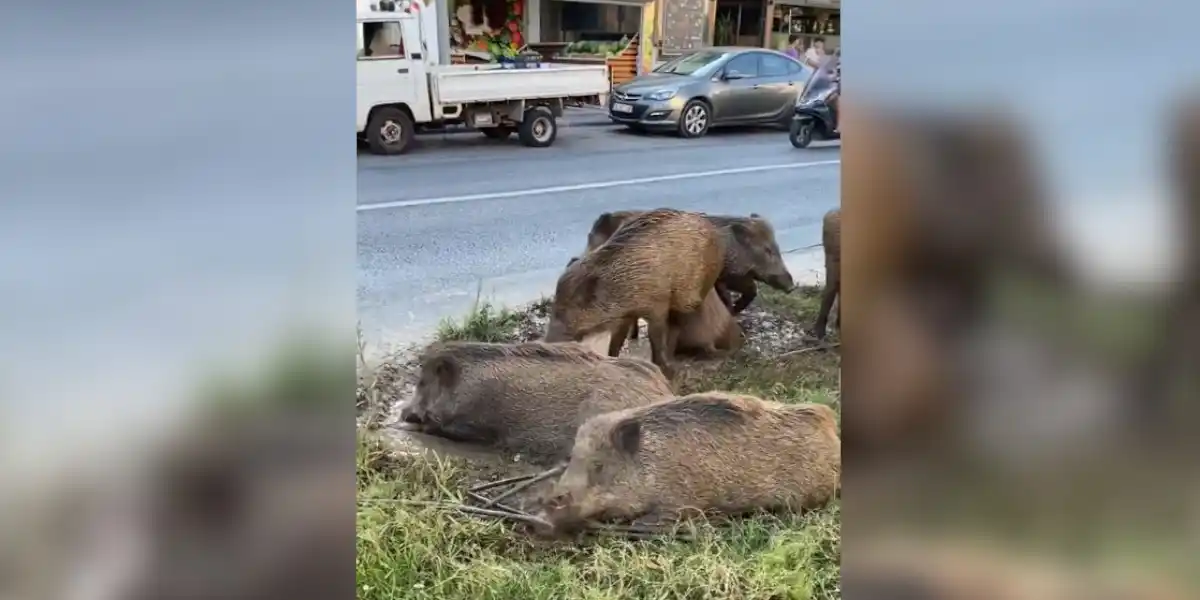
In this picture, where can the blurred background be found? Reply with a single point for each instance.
(1020, 200)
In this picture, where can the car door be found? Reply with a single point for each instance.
(734, 97)
(779, 83)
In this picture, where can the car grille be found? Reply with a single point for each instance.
(623, 97)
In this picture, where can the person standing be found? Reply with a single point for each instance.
(815, 53)
(795, 46)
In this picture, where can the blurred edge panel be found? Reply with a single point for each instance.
(1020, 273)
(177, 249)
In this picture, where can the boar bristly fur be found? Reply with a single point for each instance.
(527, 398)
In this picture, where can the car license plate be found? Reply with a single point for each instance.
(621, 108)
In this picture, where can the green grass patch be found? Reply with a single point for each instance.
(407, 550)
(485, 323)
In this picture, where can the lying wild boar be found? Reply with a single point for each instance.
(712, 452)
(526, 398)
(709, 332)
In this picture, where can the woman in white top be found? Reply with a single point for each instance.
(815, 53)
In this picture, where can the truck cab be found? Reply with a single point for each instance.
(392, 76)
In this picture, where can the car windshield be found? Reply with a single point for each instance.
(690, 63)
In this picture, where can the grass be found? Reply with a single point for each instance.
(409, 551)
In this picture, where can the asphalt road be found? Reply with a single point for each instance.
(461, 214)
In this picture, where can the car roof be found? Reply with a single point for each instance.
(740, 49)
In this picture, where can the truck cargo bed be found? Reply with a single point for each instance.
(466, 84)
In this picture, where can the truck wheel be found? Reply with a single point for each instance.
(390, 131)
(538, 129)
(498, 133)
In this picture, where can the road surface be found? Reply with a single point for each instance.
(461, 213)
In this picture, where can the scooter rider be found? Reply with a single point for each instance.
(837, 90)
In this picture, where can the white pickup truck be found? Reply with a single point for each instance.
(404, 84)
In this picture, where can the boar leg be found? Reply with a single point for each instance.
(837, 314)
(619, 334)
(672, 340)
(723, 293)
(633, 331)
(657, 519)
(458, 431)
(748, 291)
(659, 334)
(827, 296)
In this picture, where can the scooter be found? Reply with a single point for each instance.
(813, 119)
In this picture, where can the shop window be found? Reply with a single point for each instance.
(383, 39)
(751, 21)
(746, 64)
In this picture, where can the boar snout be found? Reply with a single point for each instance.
(408, 414)
(556, 332)
(782, 282)
(562, 513)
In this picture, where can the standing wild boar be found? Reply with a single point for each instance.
(526, 398)
(662, 262)
(713, 451)
(831, 239)
(751, 253)
(707, 333)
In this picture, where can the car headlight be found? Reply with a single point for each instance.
(661, 95)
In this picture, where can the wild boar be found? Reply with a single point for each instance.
(831, 239)
(752, 254)
(527, 398)
(712, 452)
(662, 262)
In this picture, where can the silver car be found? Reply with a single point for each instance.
(710, 88)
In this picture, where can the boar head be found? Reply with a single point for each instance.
(602, 478)
(755, 243)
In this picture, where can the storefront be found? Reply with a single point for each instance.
(602, 30)
(586, 29)
(608, 31)
(485, 29)
(809, 19)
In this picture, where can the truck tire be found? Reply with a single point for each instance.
(538, 129)
(390, 131)
(498, 133)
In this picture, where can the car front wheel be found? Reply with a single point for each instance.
(695, 119)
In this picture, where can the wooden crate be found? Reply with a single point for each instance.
(623, 67)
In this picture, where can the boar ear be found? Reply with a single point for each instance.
(627, 436)
(445, 369)
(755, 216)
(604, 223)
(573, 260)
(740, 230)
